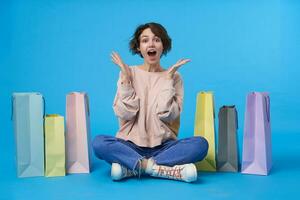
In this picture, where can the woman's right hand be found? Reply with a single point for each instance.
(126, 74)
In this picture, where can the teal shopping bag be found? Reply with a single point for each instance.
(27, 115)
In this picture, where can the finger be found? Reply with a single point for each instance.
(113, 56)
(172, 69)
(118, 58)
(115, 62)
(184, 61)
(187, 60)
(116, 55)
(114, 59)
(113, 53)
(180, 60)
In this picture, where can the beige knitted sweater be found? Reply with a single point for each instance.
(149, 108)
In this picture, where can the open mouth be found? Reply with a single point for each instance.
(151, 53)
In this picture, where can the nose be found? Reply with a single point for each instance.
(151, 43)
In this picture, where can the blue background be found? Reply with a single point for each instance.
(55, 47)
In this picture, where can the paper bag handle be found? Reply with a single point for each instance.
(12, 108)
(236, 119)
(87, 104)
(267, 101)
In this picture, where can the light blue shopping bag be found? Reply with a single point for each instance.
(27, 115)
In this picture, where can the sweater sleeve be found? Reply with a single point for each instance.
(126, 102)
(170, 99)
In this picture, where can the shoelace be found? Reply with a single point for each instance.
(171, 172)
(129, 172)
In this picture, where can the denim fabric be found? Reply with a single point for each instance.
(170, 153)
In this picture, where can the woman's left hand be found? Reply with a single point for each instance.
(175, 67)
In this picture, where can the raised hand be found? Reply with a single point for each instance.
(176, 66)
(115, 57)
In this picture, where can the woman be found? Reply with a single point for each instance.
(148, 103)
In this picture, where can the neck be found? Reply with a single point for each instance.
(152, 67)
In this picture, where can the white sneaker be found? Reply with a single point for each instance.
(186, 172)
(119, 172)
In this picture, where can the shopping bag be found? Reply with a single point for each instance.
(27, 116)
(78, 142)
(227, 156)
(54, 146)
(205, 127)
(257, 149)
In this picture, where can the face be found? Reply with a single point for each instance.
(151, 47)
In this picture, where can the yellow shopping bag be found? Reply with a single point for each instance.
(205, 127)
(54, 146)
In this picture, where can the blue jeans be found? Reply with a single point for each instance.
(170, 153)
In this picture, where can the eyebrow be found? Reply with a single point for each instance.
(146, 36)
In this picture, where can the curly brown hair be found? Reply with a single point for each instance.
(158, 30)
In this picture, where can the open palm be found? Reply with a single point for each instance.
(116, 58)
(176, 66)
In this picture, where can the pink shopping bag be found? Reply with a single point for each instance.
(78, 141)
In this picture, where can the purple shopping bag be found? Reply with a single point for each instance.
(257, 150)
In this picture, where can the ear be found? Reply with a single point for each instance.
(138, 49)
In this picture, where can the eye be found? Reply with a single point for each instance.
(157, 40)
(144, 40)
